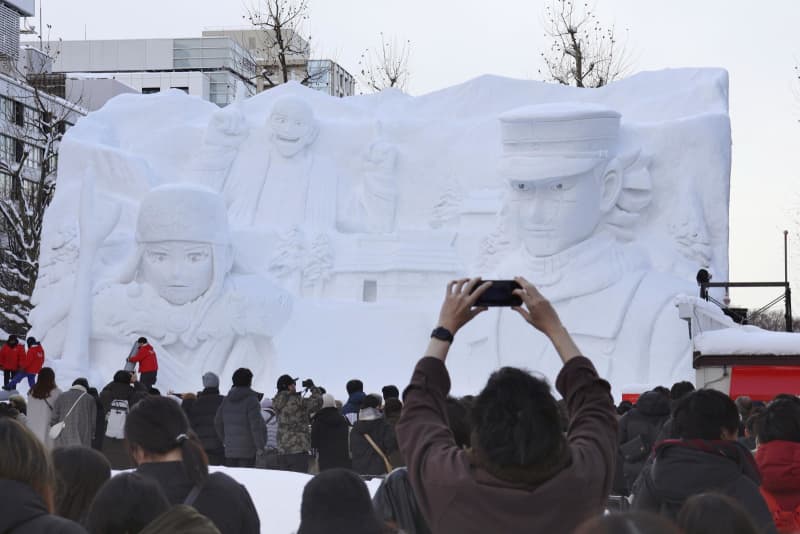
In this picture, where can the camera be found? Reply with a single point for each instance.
(500, 293)
(307, 383)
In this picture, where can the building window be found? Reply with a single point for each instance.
(184, 89)
(19, 113)
(150, 90)
(370, 292)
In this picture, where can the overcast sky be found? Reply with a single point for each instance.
(455, 40)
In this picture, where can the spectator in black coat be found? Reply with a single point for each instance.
(239, 424)
(705, 457)
(80, 472)
(367, 460)
(329, 430)
(27, 484)
(168, 452)
(120, 389)
(638, 430)
(201, 412)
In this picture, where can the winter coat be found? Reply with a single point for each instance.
(329, 436)
(80, 425)
(638, 430)
(271, 422)
(22, 511)
(115, 449)
(294, 419)
(40, 412)
(12, 358)
(395, 503)
(779, 464)
(682, 468)
(34, 359)
(239, 424)
(366, 460)
(456, 494)
(201, 413)
(353, 405)
(223, 500)
(146, 358)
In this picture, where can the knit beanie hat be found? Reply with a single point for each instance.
(328, 401)
(327, 495)
(210, 380)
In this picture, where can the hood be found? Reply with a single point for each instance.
(330, 417)
(779, 463)
(653, 403)
(685, 467)
(239, 394)
(354, 401)
(20, 504)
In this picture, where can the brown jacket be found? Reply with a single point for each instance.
(457, 496)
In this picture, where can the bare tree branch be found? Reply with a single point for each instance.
(582, 52)
(385, 67)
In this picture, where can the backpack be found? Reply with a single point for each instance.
(115, 419)
(785, 520)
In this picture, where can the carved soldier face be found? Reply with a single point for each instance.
(293, 126)
(180, 271)
(555, 214)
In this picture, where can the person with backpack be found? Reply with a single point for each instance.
(778, 459)
(148, 363)
(73, 420)
(372, 440)
(30, 365)
(638, 430)
(117, 398)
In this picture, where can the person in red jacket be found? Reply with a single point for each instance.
(12, 355)
(148, 363)
(32, 364)
(778, 459)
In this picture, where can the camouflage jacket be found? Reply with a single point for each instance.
(294, 419)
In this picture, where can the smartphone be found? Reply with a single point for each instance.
(500, 293)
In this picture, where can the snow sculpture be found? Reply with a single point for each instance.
(177, 289)
(361, 209)
(575, 197)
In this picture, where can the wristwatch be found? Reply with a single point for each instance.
(442, 333)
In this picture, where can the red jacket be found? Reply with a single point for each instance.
(779, 463)
(34, 359)
(12, 358)
(146, 358)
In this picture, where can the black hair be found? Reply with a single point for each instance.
(703, 414)
(337, 500)
(371, 401)
(392, 407)
(242, 377)
(679, 389)
(354, 386)
(390, 392)
(32, 341)
(81, 382)
(142, 340)
(709, 513)
(80, 472)
(628, 523)
(12, 340)
(624, 407)
(661, 389)
(126, 504)
(458, 420)
(158, 425)
(515, 421)
(123, 377)
(780, 420)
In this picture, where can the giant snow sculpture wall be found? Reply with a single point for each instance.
(298, 233)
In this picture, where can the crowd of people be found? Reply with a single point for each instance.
(510, 459)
